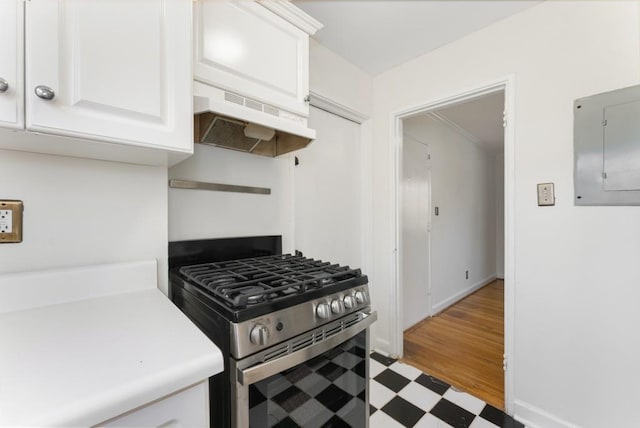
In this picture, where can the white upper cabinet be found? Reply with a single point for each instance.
(242, 47)
(110, 70)
(11, 60)
(99, 79)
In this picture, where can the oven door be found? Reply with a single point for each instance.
(317, 379)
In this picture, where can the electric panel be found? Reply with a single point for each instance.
(607, 148)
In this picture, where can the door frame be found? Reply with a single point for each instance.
(507, 84)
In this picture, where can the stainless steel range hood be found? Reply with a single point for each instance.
(225, 119)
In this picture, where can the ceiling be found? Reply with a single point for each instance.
(377, 35)
(480, 120)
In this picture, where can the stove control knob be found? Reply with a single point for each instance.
(259, 335)
(349, 301)
(323, 311)
(361, 297)
(337, 306)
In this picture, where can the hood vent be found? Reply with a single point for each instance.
(221, 131)
(226, 119)
(248, 102)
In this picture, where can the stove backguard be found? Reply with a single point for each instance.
(183, 253)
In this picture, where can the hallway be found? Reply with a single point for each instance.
(464, 344)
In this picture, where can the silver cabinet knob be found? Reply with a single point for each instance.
(45, 92)
(361, 297)
(337, 306)
(4, 85)
(349, 302)
(259, 335)
(323, 311)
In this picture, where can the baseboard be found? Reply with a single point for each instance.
(462, 294)
(381, 346)
(534, 417)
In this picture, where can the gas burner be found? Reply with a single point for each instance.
(251, 294)
(222, 281)
(269, 281)
(321, 279)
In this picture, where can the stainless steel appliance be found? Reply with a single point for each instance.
(295, 331)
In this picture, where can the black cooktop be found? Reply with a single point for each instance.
(245, 288)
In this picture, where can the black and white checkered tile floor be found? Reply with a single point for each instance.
(403, 396)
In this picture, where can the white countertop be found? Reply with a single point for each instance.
(79, 363)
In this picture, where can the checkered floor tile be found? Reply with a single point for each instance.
(403, 396)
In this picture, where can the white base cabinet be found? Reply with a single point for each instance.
(111, 71)
(188, 408)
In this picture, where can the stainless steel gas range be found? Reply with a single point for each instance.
(294, 330)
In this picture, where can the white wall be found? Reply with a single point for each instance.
(463, 235)
(415, 237)
(333, 77)
(82, 212)
(499, 184)
(576, 268)
(202, 214)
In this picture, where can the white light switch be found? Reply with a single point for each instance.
(546, 194)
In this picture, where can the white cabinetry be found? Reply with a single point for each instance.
(242, 47)
(11, 60)
(109, 71)
(188, 408)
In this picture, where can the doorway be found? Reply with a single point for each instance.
(457, 221)
(452, 262)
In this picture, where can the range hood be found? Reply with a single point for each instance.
(225, 119)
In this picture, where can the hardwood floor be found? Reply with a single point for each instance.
(463, 345)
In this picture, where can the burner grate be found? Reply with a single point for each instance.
(250, 282)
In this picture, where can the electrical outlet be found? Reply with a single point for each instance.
(6, 221)
(10, 221)
(546, 195)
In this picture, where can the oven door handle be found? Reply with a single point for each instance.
(270, 368)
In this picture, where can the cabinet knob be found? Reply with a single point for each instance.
(45, 92)
(307, 99)
(4, 85)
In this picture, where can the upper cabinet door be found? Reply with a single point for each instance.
(244, 48)
(11, 61)
(110, 70)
